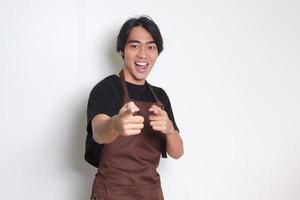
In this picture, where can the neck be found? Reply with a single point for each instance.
(131, 79)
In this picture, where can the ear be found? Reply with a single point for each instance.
(122, 54)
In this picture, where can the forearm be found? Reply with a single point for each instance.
(174, 144)
(103, 131)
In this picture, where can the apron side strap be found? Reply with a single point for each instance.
(126, 94)
(164, 147)
(155, 96)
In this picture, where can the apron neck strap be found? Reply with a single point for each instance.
(126, 94)
(124, 86)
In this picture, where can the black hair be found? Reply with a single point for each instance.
(147, 23)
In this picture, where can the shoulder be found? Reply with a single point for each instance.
(109, 81)
(160, 92)
(108, 84)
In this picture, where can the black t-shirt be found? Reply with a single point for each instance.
(107, 98)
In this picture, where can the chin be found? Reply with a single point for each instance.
(141, 76)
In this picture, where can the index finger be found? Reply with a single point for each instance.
(156, 110)
(128, 109)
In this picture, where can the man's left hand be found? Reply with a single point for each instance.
(160, 120)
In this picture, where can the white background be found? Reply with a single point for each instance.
(231, 69)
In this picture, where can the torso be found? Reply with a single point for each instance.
(127, 169)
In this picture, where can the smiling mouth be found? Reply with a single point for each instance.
(141, 66)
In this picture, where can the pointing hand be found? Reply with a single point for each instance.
(125, 123)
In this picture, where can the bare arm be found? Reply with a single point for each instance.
(174, 144)
(103, 131)
(161, 122)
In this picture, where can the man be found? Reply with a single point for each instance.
(132, 119)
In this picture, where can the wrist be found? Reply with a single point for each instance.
(171, 131)
(113, 124)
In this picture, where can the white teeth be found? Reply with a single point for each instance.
(143, 64)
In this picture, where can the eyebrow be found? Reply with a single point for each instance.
(137, 41)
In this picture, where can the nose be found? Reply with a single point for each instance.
(142, 53)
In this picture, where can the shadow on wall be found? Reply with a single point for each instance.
(115, 60)
(81, 171)
(85, 171)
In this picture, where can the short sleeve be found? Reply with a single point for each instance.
(100, 102)
(168, 109)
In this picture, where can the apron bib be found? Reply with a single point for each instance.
(127, 169)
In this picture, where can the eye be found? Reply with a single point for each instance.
(151, 47)
(133, 46)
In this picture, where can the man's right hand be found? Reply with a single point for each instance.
(125, 123)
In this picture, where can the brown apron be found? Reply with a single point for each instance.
(127, 169)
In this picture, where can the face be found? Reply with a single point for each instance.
(140, 54)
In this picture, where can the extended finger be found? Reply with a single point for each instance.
(128, 109)
(131, 105)
(158, 123)
(157, 117)
(133, 126)
(134, 120)
(154, 107)
(125, 111)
